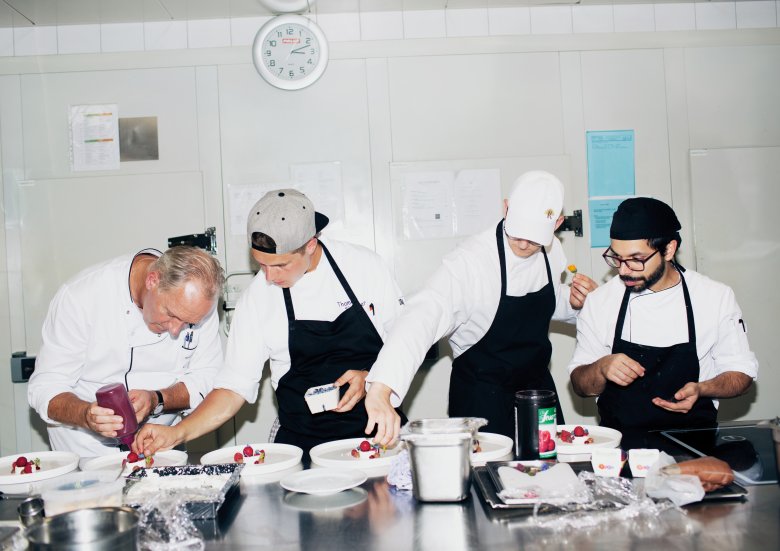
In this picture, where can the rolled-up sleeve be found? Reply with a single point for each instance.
(731, 351)
(61, 359)
(205, 363)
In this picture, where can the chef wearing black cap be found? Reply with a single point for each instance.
(658, 344)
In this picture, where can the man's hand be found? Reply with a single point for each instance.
(143, 402)
(685, 397)
(153, 438)
(382, 415)
(620, 369)
(581, 285)
(356, 379)
(102, 420)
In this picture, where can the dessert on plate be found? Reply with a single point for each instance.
(249, 455)
(579, 435)
(367, 450)
(22, 465)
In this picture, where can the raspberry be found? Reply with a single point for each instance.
(132, 457)
(565, 436)
(544, 435)
(355, 453)
(27, 468)
(579, 431)
(238, 457)
(365, 445)
(21, 461)
(248, 451)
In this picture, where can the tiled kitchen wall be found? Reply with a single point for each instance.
(397, 25)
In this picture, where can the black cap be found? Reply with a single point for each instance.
(643, 218)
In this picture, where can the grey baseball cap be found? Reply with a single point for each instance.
(287, 217)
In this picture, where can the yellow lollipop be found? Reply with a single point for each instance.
(572, 268)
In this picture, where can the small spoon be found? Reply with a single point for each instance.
(121, 470)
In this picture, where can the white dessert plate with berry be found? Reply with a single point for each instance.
(491, 447)
(42, 466)
(265, 457)
(581, 439)
(349, 454)
(112, 462)
(323, 482)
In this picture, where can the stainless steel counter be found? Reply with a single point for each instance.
(375, 517)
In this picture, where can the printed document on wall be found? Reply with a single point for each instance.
(240, 200)
(427, 211)
(321, 183)
(94, 137)
(477, 197)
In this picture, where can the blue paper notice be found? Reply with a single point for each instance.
(601, 211)
(610, 163)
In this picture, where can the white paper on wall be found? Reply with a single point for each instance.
(241, 199)
(427, 205)
(321, 183)
(94, 137)
(477, 198)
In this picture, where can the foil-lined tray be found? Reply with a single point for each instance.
(204, 506)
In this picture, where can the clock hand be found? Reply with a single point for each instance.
(298, 50)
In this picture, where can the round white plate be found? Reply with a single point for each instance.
(112, 462)
(312, 503)
(323, 482)
(603, 437)
(337, 454)
(495, 447)
(278, 457)
(53, 463)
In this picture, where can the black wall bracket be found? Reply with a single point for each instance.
(573, 223)
(22, 367)
(206, 241)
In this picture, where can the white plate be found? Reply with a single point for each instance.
(495, 447)
(278, 457)
(313, 503)
(323, 482)
(338, 454)
(112, 462)
(53, 463)
(603, 437)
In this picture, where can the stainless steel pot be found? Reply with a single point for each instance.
(441, 466)
(447, 425)
(97, 529)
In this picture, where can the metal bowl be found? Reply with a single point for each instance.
(448, 425)
(97, 529)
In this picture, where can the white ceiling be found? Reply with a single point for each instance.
(22, 13)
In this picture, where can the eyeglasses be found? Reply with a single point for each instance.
(633, 264)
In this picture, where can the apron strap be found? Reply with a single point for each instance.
(502, 258)
(688, 311)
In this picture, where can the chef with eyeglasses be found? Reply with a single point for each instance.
(658, 344)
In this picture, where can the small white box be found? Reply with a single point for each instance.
(322, 398)
(607, 461)
(641, 460)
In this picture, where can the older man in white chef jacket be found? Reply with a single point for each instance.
(658, 343)
(147, 320)
(494, 296)
(319, 310)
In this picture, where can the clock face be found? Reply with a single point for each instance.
(290, 52)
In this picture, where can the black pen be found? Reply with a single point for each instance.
(371, 307)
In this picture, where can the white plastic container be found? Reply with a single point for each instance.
(607, 461)
(322, 398)
(641, 460)
(81, 490)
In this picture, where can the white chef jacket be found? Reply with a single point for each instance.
(659, 319)
(259, 329)
(94, 335)
(461, 300)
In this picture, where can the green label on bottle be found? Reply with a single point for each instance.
(547, 431)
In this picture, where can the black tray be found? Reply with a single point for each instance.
(196, 510)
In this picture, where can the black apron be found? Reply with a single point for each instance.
(513, 355)
(320, 353)
(630, 409)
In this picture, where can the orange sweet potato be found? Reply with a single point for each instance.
(712, 472)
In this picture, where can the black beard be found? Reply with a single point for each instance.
(649, 281)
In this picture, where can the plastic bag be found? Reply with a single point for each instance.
(680, 489)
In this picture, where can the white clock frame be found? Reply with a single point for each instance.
(259, 49)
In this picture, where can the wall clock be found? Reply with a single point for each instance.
(290, 52)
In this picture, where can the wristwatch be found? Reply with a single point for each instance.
(158, 409)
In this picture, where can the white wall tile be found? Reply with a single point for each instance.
(503, 21)
(381, 25)
(631, 18)
(424, 24)
(78, 39)
(35, 40)
(592, 19)
(675, 17)
(340, 27)
(467, 22)
(208, 33)
(121, 37)
(165, 35)
(757, 15)
(716, 15)
(6, 41)
(551, 20)
(244, 29)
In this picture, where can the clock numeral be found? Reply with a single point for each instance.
(308, 41)
(302, 70)
(272, 63)
(290, 30)
(291, 74)
(310, 62)
(280, 70)
(279, 34)
(312, 51)
(268, 53)
(272, 43)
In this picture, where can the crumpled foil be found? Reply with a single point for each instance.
(165, 524)
(400, 474)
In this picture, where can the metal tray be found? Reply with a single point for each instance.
(196, 510)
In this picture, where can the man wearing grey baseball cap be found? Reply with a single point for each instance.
(494, 296)
(319, 310)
